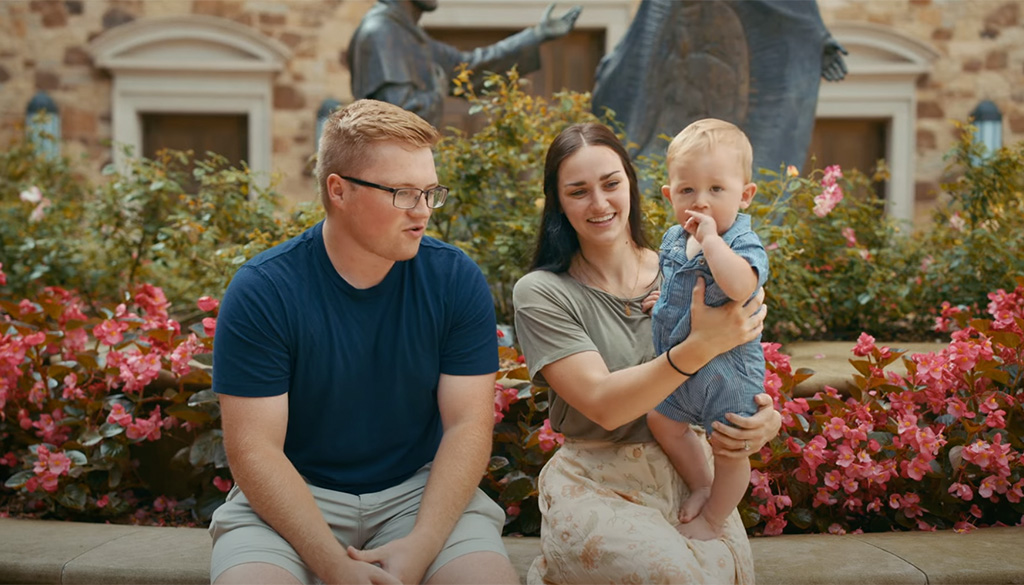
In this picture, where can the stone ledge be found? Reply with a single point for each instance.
(40, 551)
(830, 361)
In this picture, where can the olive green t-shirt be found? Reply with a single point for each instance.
(557, 316)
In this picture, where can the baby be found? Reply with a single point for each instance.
(709, 169)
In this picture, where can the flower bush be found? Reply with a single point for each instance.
(939, 447)
(176, 221)
(523, 443)
(107, 415)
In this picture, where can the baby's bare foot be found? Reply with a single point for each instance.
(694, 504)
(700, 529)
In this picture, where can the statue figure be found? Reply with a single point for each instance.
(755, 63)
(392, 59)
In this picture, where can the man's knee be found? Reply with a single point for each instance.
(255, 573)
(477, 567)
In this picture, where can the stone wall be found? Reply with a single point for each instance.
(44, 46)
(981, 43)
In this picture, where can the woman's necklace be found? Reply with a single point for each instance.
(590, 274)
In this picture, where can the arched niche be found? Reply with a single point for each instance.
(191, 65)
(884, 66)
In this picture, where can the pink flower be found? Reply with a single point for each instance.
(207, 304)
(962, 491)
(831, 195)
(118, 415)
(836, 529)
(832, 174)
(823, 497)
(512, 510)
(39, 212)
(774, 526)
(110, 332)
(548, 438)
(182, 354)
(145, 429)
(209, 326)
(792, 171)
(223, 484)
(102, 502)
(31, 195)
(835, 429)
(865, 345)
(957, 223)
(851, 237)
(3, 277)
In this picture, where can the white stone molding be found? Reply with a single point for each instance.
(884, 66)
(191, 64)
(613, 16)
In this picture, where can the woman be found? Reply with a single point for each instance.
(610, 497)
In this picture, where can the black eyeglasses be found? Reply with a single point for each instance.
(407, 197)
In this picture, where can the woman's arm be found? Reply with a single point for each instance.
(612, 399)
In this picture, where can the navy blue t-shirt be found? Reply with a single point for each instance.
(360, 367)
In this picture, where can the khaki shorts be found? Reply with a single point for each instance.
(365, 522)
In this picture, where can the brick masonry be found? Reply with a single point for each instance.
(44, 45)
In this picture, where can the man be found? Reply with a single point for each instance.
(355, 367)
(392, 59)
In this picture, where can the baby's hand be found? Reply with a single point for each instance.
(700, 225)
(648, 303)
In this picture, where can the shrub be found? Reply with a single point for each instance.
(523, 443)
(972, 245)
(178, 222)
(839, 266)
(108, 416)
(41, 205)
(496, 177)
(938, 447)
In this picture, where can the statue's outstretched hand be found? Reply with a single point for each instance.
(551, 27)
(833, 67)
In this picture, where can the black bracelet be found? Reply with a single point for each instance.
(675, 367)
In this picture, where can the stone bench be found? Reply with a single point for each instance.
(39, 551)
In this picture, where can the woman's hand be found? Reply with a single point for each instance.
(750, 433)
(649, 301)
(720, 329)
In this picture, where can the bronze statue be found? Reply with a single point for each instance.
(755, 63)
(392, 59)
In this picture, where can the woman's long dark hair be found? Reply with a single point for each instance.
(557, 242)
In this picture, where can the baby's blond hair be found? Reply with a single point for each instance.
(705, 135)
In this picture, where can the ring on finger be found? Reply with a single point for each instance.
(746, 445)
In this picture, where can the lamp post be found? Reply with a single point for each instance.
(42, 125)
(989, 122)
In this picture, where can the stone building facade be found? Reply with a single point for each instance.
(915, 66)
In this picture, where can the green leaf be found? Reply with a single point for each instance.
(184, 412)
(17, 481)
(77, 457)
(496, 463)
(207, 396)
(90, 437)
(72, 496)
(518, 490)
(801, 517)
(110, 430)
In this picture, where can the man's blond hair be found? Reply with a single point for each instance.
(705, 135)
(349, 133)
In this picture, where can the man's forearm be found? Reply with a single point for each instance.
(454, 475)
(280, 496)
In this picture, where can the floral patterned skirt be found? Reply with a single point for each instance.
(609, 516)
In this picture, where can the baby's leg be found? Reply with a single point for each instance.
(732, 478)
(686, 453)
